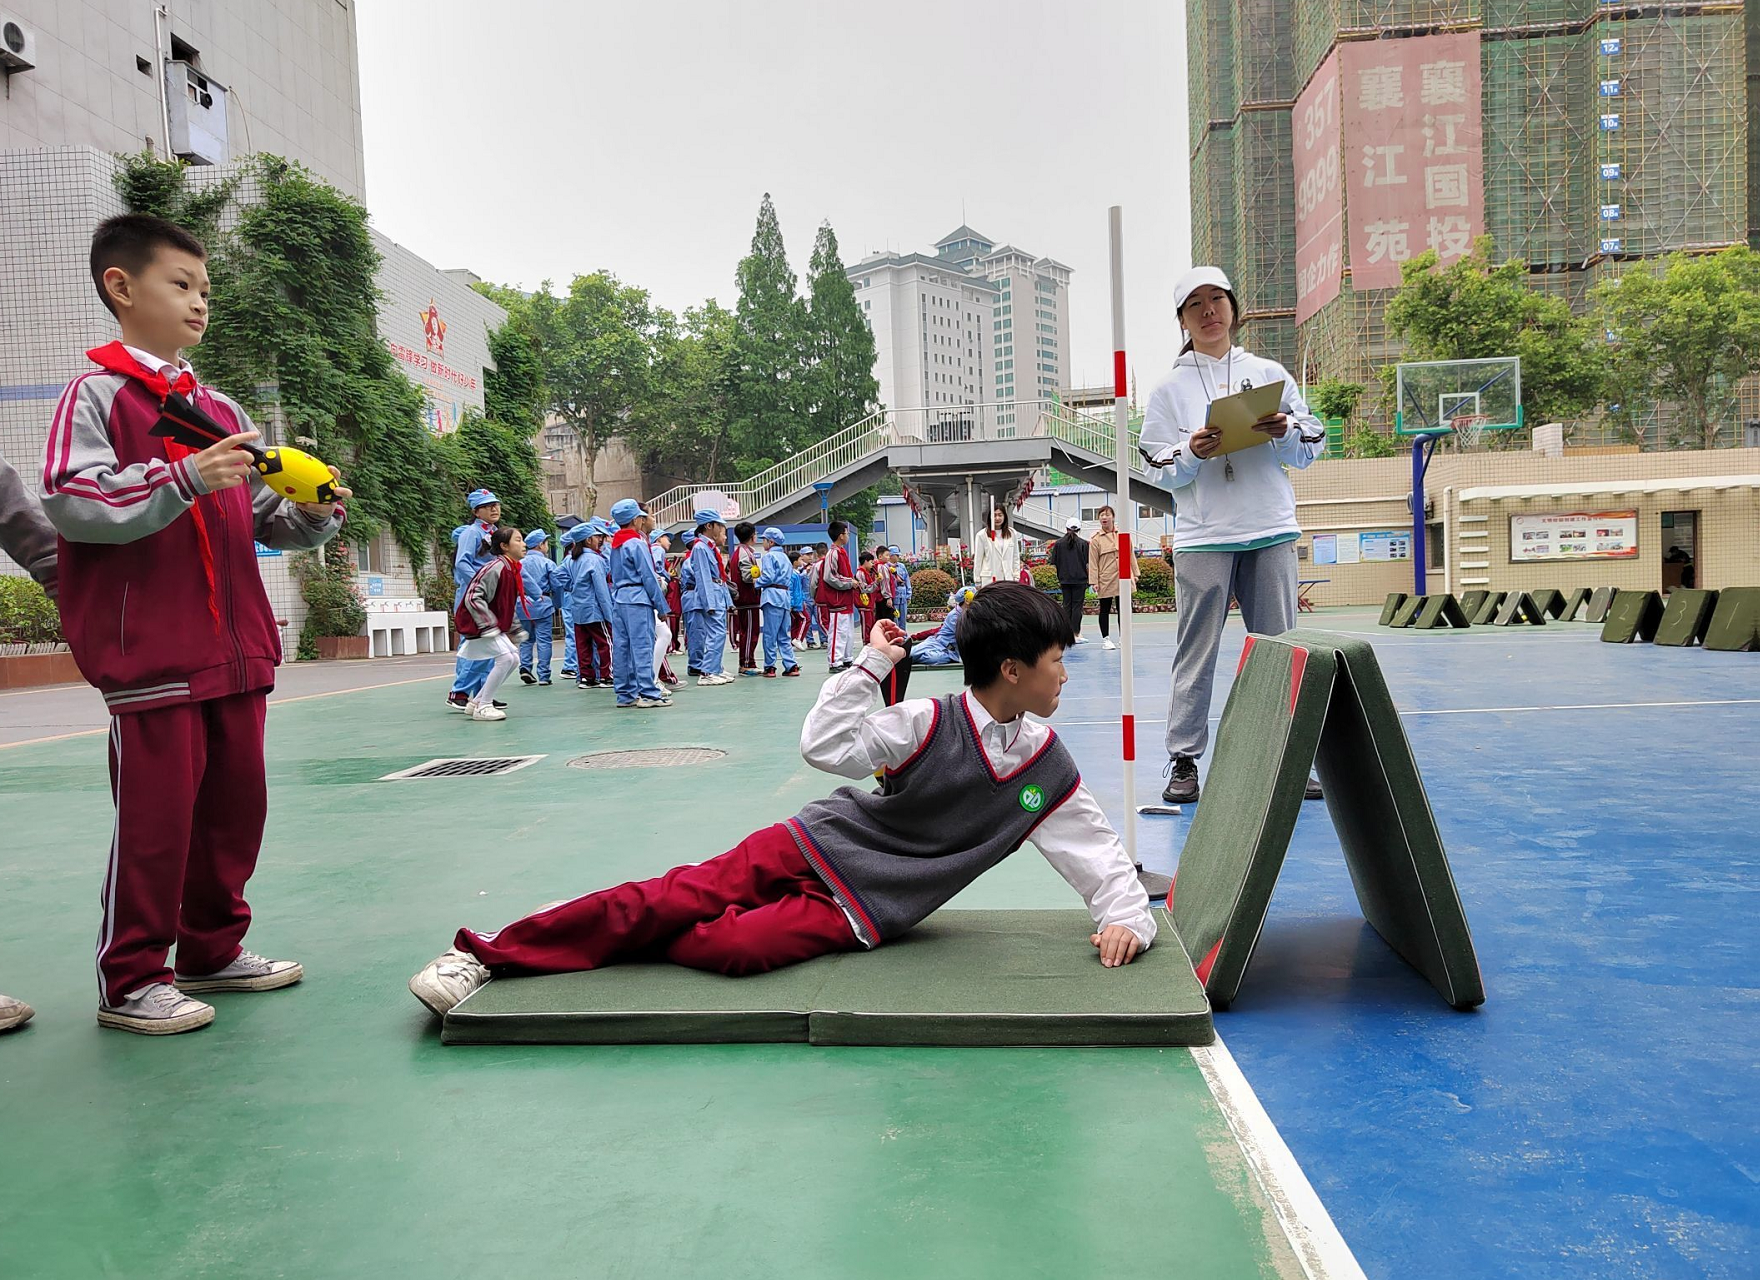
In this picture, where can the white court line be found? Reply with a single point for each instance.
(1306, 1225)
(1491, 711)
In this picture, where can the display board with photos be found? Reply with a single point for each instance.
(1577, 535)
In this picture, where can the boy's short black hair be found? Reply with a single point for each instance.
(130, 241)
(744, 530)
(835, 529)
(824, 547)
(1008, 620)
(864, 557)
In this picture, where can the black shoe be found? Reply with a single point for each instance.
(1182, 781)
(692, 671)
(526, 677)
(1313, 792)
(499, 705)
(586, 684)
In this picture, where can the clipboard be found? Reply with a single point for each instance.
(1237, 413)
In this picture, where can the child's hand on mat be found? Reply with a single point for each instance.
(322, 510)
(1273, 425)
(224, 465)
(1117, 944)
(889, 638)
(1204, 443)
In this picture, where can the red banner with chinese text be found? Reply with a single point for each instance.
(1413, 152)
(1319, 197)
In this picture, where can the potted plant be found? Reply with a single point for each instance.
(335, 617)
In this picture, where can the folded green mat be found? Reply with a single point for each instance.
(1573, 604)
(1633, 616)
(1301, 698)
(1440, 611)
(959, 978)
(1735, 623)
(1390, 606)
(1600, 601)
(1685, 618)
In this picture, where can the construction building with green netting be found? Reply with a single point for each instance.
(1612, 133)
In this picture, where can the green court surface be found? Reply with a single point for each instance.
(324, 1131)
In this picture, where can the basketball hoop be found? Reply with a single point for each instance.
(1469, 429)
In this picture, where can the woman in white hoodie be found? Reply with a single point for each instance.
(996, 557)
(1235, 525)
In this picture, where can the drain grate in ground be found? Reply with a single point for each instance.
(647, 758)
(463, 767)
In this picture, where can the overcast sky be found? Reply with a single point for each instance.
(535, 139)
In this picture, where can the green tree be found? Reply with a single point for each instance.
(683, 433)
(513, 391)
(840, 346)
(595, 347)
(492, 455)
(1686, 331)
(1335, 398)
(1473, 310)
(771, 418)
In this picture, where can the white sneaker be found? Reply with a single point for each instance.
(645, 703)
(14, 1013)
(708, 680)
(481, 711)
(1080, 640)
(1107, 644)
(449, 977)
(158, 1009)
(250, 972)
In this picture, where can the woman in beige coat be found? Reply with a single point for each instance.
(1103, 571)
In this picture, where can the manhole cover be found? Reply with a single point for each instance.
(648, 758)
(463, 767)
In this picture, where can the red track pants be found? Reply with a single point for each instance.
(757, 907)
(747, 631)
(191, 798)
(592, 648)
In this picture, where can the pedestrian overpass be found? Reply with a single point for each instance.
(956, 459)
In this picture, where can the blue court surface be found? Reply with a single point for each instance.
(1600, 1114)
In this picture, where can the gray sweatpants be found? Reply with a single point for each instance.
(1264, 582)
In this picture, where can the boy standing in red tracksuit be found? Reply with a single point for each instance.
(836, 595)
(165, 612)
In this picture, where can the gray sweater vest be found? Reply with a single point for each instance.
(938, 822)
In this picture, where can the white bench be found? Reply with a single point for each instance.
(397, 627)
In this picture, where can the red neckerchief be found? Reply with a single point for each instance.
(623, 535)
(115, 357)
(519, 577)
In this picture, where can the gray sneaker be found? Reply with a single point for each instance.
(448, 978)
(250, 972)
(14, 1013)
(158, 1009)
(646, 703)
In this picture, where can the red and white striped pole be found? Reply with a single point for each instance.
(1127, 528)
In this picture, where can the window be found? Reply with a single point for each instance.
(367, 557)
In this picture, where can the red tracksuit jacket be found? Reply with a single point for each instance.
(161, 600)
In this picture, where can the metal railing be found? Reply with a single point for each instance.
(933, 425)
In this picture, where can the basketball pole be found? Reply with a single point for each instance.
(1127, 527)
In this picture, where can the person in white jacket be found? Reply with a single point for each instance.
(1235, 524)
(997, 555)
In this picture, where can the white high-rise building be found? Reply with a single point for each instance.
(973, 324)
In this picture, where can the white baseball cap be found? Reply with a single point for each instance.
(1072, 523)
(1195, 279)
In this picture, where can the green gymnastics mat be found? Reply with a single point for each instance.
(1600, 601)
(1518, 608)
(1390, 607)
(1407, 613)
(1549, 600)
(1440, 611)
(959, 978)
(1634, 616)
(1486, 613)
(1686, 617)
(1301, 698)
(1735, 623)
(1471, 600)
(1573, 604)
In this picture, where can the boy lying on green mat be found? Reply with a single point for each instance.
(966, 779)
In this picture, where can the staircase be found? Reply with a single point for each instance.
(1075, 442)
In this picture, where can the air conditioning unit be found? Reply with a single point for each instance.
(197, 106)
(18, 45)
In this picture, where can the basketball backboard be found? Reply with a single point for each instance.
(1467, 396)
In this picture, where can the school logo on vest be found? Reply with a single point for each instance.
(1032, 798)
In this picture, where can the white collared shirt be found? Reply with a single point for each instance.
(847, 735)
(147, 360)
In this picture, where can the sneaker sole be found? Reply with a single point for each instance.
(428, 997)
(155, 1026)
(267, 982)
(10, 1021)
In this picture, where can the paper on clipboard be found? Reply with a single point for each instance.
(1236, 415)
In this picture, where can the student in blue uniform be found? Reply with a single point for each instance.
(901, 584)
(540, 584)
(942, 648)
(636, 598)
(472, 554)
(775, 579)
(707, 600)
(589, 578)
(563, 546)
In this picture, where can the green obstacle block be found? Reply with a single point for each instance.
(1550, 602)
(1635, 615)
(1486, 613)
(1600, 603)
(1518, 608)
(1471, 600)
(1686, 617)
(1735, 624)
(1394, 600)
(1313, 698)
(959, 978)
(1440, 611)
(1573, 605)
(1407, 613)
